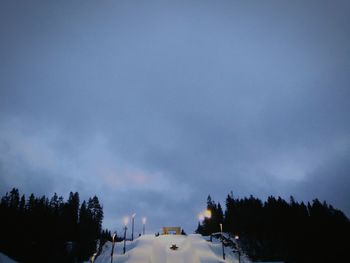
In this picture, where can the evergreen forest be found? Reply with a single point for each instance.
(42, 229)
(277, 229)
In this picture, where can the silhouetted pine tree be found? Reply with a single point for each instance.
(37, 230)
(278, 230)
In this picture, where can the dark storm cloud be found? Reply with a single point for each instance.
(155, 104)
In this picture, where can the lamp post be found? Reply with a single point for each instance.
(238, 251)
(200, 220)
(206, 214)
(126, 220)
(200, 217)
(222, 241)
(143, 225)
(113, 237)
(132, 227)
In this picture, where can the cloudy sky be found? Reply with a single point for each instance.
(153, 105)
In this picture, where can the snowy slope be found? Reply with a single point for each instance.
(6, 259)
(151, 249)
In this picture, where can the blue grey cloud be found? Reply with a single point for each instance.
(157, 104)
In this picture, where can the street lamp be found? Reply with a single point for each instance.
(200, 220)
(238, 250)
(200, 217)
(207, 213)
(222, 241)
(143, 225)
(126, 221)
(132, 227)
(113, 237)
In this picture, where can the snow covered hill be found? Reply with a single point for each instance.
(151, 249)
(6, 259)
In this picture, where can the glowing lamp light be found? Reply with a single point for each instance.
(144, 220)
(200, 217)
(126, 221)
(236, 237)
(207, 213)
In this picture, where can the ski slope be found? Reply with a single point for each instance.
(6, 259)
(150, 249)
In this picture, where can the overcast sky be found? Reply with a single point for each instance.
(153, 105)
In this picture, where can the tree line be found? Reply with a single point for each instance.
(282, 230)
(42, 229)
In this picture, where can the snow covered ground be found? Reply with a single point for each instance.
(150, 249)
(6, 259)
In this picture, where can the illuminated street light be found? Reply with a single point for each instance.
(201, 217)
(207, 214)
(113, 240)
(238, 250)
(143, 225)
(132, 227)
(126, 221)
(222, 241)
(204, 214)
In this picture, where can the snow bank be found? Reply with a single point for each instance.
(6, 259)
